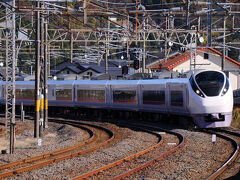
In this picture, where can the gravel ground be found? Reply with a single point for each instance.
(198, 158)
(54, 138)
(126, 142)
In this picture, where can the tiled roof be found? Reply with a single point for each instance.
(174, 61)
(79, 68)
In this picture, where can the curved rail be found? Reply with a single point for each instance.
(58, 155)
(35, 158)
(180, 144)
(233, 156)
(86, 175)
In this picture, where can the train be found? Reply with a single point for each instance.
(206, 96)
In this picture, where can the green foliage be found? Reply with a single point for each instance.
(236, 118)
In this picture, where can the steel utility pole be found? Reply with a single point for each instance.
(107, 44)
(10, 72)
(45, 121)
(37, 71)
(41, 69)
(209, 24)
(85, 11)
(187, 15)
(193, 49)
(144, 46)
(224, 42)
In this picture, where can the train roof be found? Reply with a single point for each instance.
(61, 82)
(24, 82)
(106, 82)
(132, 82)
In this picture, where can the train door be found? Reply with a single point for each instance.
(177, 98)
(51, 92)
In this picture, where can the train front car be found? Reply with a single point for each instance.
(210, 99)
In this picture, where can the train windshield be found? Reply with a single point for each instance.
(210, 82)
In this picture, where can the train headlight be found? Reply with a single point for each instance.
(226, 87)
(195, 88)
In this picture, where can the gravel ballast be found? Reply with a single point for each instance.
(197, 159)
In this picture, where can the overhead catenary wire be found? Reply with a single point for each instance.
(114, 9)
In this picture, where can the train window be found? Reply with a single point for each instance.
(126, 97)
(195, 88)
(64, 94)
(91, 95)
(176, 98)
(154, 97)
(226, 87)
(210, 82)
(206, 55)
(25, 94)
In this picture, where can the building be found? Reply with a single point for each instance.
(77, 70)
(206, 58)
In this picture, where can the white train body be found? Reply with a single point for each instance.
(206, 96)
(214, 109)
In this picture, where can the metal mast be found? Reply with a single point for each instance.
(45, 122)
(193, 49)
(10, 72)
(209, 24)
(224, 42)
(37, 71)
(187, 14)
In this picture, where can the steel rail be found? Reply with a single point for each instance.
(154, 160)
(86, 175)
(233, 156)
(42, 157)
(35, 158)
(62, 157)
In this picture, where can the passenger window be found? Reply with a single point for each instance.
(176, 98)
(91, 95)
(65, 94)
(154, 97)
(25, 94)
(126, 97)
(206, 55)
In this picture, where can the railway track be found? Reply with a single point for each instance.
(227, 135)
(98, 137)
(135, 171)
(135, 162)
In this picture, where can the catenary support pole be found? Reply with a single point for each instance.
(45, 121)
(37, 71)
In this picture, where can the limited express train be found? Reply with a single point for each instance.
(206, 96)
